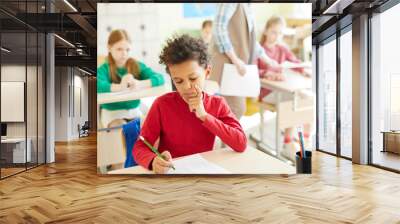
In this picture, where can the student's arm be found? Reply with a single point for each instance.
(289, 56)
(227, 127)
(261, 68)
(146, 73)
(150, 131)
(103, 81)
(104, 84)
(260, 53)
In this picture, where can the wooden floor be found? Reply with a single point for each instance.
(70, 191)
(10, 171)
(387, 159)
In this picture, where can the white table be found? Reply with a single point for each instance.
(251, 161)
(19, 155)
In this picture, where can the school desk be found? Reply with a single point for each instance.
(289, 113)
(110, 147)
(251, 161)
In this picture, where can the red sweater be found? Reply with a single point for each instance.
(182, 133)
(280, 54)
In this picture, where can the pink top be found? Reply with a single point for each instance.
(280, 54)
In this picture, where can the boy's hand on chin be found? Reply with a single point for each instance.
(196, 104)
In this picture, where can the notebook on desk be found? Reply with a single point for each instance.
(196, 164)
(287, 65)
(297, 80)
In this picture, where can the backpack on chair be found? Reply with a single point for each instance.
(131, 131)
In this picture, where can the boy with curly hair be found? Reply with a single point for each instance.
(188, 120)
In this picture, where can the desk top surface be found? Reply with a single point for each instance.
(251, 161)
(292, 83)
(113, 97)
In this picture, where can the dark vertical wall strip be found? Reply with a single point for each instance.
(73, 91)
(0, 96)
(37, 91)
(60, 88)
(338, 82)
(69, 92)
(45, 87)
(80, 102)
(317, 97)
(26, 87)
(369, 79)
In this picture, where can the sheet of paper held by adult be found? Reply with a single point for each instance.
(234, 84)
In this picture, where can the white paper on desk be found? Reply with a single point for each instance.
(195, 164)
(296, 80)
(287, 65)
(234, 84)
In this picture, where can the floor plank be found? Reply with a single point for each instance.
(70, 191)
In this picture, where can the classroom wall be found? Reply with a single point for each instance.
(161, 21)
(141, 21)
(71, 102)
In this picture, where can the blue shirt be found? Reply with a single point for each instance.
(224, 14)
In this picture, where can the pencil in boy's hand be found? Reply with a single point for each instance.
(154, 149)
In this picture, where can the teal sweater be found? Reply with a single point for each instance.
(104, 84)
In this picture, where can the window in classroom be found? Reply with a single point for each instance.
(385, 84)
(327, 96)
(346, 94)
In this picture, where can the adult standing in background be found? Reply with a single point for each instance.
(234, 41)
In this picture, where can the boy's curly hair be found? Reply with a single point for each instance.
(181, 48)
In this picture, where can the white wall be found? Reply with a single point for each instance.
(163, 20)
(79, 117)
(62, 83)
(69, 82)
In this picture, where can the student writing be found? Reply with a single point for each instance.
(188, 120)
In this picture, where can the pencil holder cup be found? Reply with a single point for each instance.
(303, 164)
